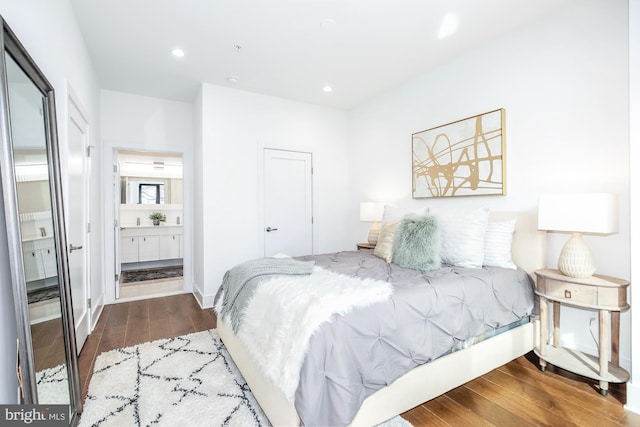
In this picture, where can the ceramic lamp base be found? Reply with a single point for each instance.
(374, 233)
(576, 259)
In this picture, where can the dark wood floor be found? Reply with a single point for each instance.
(516, 394)
(129, 323)
(48, 344)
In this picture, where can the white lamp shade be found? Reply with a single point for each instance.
(578, 213)
(583, 213)
(371, 211)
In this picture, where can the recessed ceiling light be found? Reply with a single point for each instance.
(179, 53)
(233, 79)
(449, 26)
(327, 89)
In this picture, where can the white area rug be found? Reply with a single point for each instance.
(53, 387)
(184, 381)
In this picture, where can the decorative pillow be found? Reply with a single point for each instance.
(384, 248)
(497, 244)
(462, 236)
(417, 243)
(394, 214)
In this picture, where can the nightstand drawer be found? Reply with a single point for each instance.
(591, 296)
(570, 293)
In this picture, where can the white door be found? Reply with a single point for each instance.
(78, 223)
(288, 203)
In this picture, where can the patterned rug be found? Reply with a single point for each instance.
(187, 380)
(53, 387)
(184, 381)
(43, 294)
(151, 274)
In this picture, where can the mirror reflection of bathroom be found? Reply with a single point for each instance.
(41, 273)
(150, 218)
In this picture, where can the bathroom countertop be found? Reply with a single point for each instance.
(122, 227)
(35, 238)
(151, 230)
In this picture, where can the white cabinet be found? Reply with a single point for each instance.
(170, 246)
(49, 262)
(148, 248)
(140, 244)
(129, 249)
(39, 257)
(33, 267)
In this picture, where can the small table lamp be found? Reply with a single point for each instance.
(372, 212)
(578, 213)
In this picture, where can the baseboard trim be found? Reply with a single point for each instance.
(633, 398)
(95, 314)
(205, 300)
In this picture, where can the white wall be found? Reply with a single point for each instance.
(564, 86)
(145, 124)
(48, 31)
(236, 126)
(633, 387)
(198, 199)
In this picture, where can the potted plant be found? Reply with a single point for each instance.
(157, 217)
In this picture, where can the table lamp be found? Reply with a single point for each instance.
(594, 213)
(372, 212)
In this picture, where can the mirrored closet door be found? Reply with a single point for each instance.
(31, 188)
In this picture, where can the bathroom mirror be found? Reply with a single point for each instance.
(31, 188)
(150, 178)
(150, 190)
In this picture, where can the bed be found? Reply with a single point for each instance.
(423, 382)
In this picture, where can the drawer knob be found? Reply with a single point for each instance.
(567, 294)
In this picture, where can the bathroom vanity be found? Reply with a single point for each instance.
(150, 243)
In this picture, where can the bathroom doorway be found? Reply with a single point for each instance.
(149, 212)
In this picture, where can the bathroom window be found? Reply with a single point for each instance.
(151, 194)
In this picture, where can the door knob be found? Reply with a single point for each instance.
(74, 248)
(269, 229)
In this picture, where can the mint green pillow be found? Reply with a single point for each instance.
(417, 243)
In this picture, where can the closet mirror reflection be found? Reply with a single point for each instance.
(35, 233)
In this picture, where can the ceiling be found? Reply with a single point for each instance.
(289, 48)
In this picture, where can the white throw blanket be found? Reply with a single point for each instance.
(285, 312)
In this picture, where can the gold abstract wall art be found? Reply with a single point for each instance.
(463, 158)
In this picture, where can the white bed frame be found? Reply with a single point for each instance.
(426, 381)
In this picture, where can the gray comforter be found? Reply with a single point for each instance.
(356, 354)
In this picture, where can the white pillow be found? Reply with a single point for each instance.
(497, 244)
(394, 214)
(462, 236)
(384, 248)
